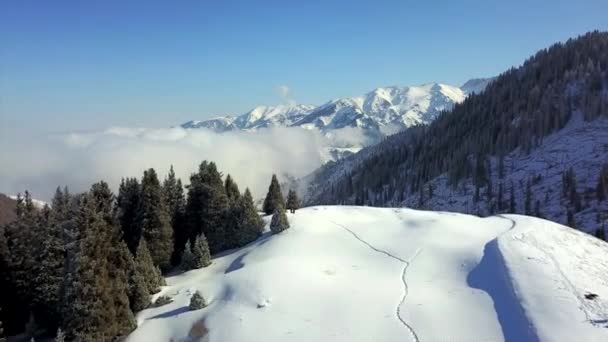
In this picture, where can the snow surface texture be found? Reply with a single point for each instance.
(381, 274)
(380, 112)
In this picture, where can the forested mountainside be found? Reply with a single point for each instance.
(534, 142)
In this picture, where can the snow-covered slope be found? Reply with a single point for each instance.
(382, 274)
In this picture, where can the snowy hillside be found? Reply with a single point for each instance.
(371, 274)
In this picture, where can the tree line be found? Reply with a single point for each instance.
(81, 267)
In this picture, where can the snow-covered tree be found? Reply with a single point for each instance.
(279, 222)
(293, 202)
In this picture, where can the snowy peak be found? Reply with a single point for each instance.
(384, 109)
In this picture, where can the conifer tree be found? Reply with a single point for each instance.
(570, 219)
(274, 198)
(512, 208)
(187, 260)
(293, 202)
(21, 238)
(127, 204)
(200, 252)
(279, 222)
(176, 203)
(49, 268)
(154, 220)
(232, 190)
(139, 294)
(250, 224)
(149, 272)
(94, 301)
(197, 301)
(207, 207)
(528, 198)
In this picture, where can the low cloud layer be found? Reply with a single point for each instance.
(79, 159)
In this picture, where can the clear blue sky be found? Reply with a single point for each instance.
(90, 64)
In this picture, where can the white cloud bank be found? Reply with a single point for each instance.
(79, 159)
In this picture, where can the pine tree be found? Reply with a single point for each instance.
(293, 202)
(232, 190)
(127, 204)
(570, 219)
(600, 189)
(21, 239)
(512, 208)
(197, 301)
(149, 272)
(138, 291)
(200, 253)
(49, 268)
(207, 207)
(274, 198)
(528, 198)
(176, 203)
(279, 221)
(154, 220)
(96, 305)
(187, 260)
(250, 224)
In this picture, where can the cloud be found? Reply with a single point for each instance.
(283, 91)
(78, 159)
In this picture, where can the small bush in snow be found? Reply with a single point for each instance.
(197, 301)
(162, 300)
(279, 222)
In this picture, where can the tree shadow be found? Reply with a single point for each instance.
(174, 312)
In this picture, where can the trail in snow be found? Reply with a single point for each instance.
(406, 264)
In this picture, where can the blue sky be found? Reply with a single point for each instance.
(82, 65)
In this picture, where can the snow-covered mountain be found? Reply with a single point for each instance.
(381, 109)
(385, 274)
(259, 117)
(376, 114)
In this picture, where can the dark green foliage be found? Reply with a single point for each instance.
(250, 224)
(196, 255)
(279, 221)
(162, 300)
(187, 259)
(197, 301)
(293, 202)
(154, 220)
(232, 190)
(274, 198)
(96, 300)
(207, 207)
(145, 267)
(127, 204)
(138, 289)
(50, 265)
(176, 203)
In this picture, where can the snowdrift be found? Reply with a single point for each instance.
(381, 274)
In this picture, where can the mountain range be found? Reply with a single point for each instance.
(378, 113)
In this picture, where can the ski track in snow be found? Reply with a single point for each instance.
(406, 264)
